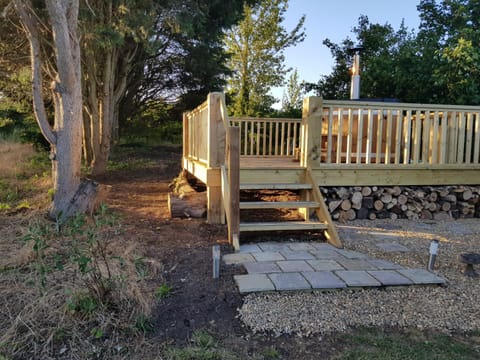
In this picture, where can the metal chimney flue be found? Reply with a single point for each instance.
(355, 82)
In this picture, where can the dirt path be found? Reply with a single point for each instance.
(183, 247)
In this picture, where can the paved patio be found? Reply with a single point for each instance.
(308, 265)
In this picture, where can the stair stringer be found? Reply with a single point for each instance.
(322, 211)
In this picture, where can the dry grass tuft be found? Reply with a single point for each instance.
(12, 157)
(61, 318)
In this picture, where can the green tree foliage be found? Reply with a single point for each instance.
(256, 47)
(292, 100)
(439, 64)
(384, 62)
(449, 31)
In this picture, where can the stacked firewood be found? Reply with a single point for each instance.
(403, 202)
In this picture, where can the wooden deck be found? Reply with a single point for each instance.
(337, 143)
(269, 162)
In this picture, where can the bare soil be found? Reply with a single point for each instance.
(184, 248)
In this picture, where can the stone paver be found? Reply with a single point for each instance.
(357, 278)
(250, 248)
(327, 255)
(237, 258)
(297, 255)
(390, 277)
(323, 246)
(392, 247)
(384, 264)
(324, 280)
(421, 276)
(356, 264)
(294, 266)
(300, 246)
(262, 267)
(273, 246)
(299, 266)
(268, 256)
(253, 282)
(289, 281)
(325, 265)
(350, 254)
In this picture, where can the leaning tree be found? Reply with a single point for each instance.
(59, 28)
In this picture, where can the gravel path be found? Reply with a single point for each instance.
(451, 308)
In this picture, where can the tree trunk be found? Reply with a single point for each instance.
(66, 136)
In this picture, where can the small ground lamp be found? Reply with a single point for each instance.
(433, 254)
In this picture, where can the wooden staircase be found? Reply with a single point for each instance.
(311, 202)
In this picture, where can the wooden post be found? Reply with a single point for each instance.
(186, 139)
(312, 134)
(215, 156)
(233, 163)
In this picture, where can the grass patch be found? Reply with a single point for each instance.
(373, 344)
(202, 347)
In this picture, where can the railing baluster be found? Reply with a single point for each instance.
(469, 142)
(398, 137)
(435, 139)
(378, 153)
(476, 151)
(388, 145)
(426, 138)
(339, 135)
(349, 136)
(408, 137)
(359, 151)
(368, 152)
(329, 132)
(461, 138)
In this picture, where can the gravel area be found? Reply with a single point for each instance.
(451, 308)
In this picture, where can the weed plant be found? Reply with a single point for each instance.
(77, 291)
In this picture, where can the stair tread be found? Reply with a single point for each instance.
(273, 186)
(277, 204)
(283, 225)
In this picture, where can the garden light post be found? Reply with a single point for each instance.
(433, 254)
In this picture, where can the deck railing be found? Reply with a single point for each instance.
(195, 133)
(268, 136)
(352, 132)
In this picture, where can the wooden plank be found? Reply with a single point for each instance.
(282, 226)
(258, 176)
(417, 136)
(469, 140)
(252, 137)
(312, 120)
(444, 139)
(425, 137)
(369, 137)
(461, 138)
(270, 138)
(391, 175)
(379, 136)
(275, 186)
(233, 162)
(349, 136)
(257, 149)
(329, 135)
(359, 136)
(278, 204)
(452, 138)
(408, 137)
(388, 146)
(277, 125)
(294, 146)
(289, 129)
(339, 135)
(264, 145)
(282, 139)
(322, 211)
(435, 138)
(398, 137)
(476, 151)
(245, 140)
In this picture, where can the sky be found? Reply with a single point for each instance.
(334, 19)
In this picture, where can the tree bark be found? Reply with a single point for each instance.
(66, 136)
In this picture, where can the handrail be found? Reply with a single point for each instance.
(357, 132)
(268, 136)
